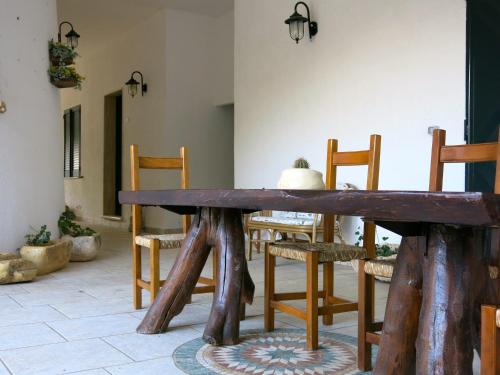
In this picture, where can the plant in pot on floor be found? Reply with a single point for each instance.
(301, 177)
(60, 54)
(65, 76)
(384, 250)
(48, 255)
(86, 241)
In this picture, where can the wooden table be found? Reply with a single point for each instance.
(441, 276)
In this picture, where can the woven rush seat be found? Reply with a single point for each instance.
(167, 241)
(380, 267)
(327, 252)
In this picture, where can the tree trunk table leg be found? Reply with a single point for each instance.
(396, 354)
(234, 282)
(453, 273)
(223, 229)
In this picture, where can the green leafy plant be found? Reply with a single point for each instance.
(68, 226)
(66, 73)
(38, 239)
(382, 250)
(61, 54)
(301, 163)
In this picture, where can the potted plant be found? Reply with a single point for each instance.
(47, 255)
(65, 76)
(383, 250)
(61, 54)
(300, 176)
(86, 242)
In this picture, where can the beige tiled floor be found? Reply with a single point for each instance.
(80, 320)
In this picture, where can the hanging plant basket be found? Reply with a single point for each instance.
(57, 61)
(64, 83)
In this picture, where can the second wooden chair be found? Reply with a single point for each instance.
(325, 253)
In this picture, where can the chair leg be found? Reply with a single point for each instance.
(154, 263)
(270, 264)
(312, 301)
(259, 237)
(328, 269)
(490, 342)
(365, 317)
(250, 234)
(136, 275)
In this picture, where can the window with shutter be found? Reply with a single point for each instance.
(72, 142)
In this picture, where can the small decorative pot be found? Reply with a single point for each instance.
(85, 248)
(64, 83)
(301, 178)
(48, 258)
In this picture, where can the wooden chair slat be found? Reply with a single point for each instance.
(160, 163)
(350, 158)
(469, 153)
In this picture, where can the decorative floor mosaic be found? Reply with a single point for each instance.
(281, 352)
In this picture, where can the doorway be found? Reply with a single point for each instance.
(483, 86)
(112, 168)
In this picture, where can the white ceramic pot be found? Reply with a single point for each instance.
(301, 178)
(85, 248)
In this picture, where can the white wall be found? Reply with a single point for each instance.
(31, 188)
(390, 67)
(174, 51)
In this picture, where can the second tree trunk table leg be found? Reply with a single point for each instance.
(223, 229)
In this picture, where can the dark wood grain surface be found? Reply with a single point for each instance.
(476, 209)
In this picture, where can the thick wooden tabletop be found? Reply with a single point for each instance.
(474, 209)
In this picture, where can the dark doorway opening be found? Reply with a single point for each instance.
(483, 86)
(112, 168)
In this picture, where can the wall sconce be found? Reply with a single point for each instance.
(133, 84)
(296, 23)
(71, 37)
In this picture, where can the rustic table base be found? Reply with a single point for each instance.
(222, 229)
(439, 283)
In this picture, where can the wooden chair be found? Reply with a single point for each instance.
(441, 153)
(490, 340)
(325, 253)
(157, 242)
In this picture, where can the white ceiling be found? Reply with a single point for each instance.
(93, 19)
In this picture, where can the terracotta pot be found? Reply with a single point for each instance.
(48, 258)
(64, 83)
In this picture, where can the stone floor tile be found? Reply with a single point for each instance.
(160, 366)
(95, 308)
(62, 358)
(100, 326)
(13, 337)
(91, 372)
(48, 298)
(144, 347)
(24, 315)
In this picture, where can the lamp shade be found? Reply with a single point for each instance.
(132, 86)
(296, 24)
(72, 38)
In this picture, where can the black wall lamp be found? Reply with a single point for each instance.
(71, 37)
(296, 23)
(133, 84)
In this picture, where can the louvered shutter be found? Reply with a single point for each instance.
(67, 143)
(76, 126)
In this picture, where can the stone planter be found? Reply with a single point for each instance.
(49, 258)
(85, 248)
(301, 178)
(14, 269)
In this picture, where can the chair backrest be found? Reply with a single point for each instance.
(144, 162)
(471, 153)
(371, 158)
